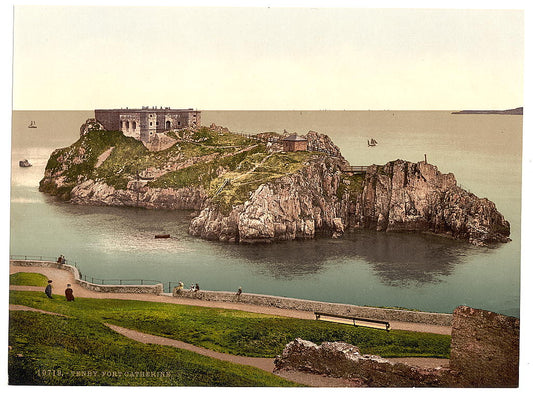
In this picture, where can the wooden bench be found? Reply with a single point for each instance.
(355, 321)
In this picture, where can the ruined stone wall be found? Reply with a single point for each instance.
(485, 348)
(333, 308)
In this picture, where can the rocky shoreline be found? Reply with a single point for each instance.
(319, 197)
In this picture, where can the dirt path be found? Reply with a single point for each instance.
(265, 364)
(62, 277)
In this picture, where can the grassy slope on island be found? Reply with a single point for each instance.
(54, 350)
(237, 332)
(244, 173)
(233, 152)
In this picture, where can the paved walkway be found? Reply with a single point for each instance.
(63, 277)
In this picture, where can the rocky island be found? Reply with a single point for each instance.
(265, 187)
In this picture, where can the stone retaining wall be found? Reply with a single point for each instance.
(333, 308)
(258, 299)
(156, 289)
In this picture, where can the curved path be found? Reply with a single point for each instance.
(265, 364)
(63, 277)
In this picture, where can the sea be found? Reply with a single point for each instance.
(408, 270)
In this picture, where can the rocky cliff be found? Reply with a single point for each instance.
(400, 196)
(248, 191)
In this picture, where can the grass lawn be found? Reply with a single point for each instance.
(33, 279)
(53, 350)
(236, 332)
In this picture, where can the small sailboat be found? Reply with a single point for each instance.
(32, 124)
(372, 142)
(24, 163)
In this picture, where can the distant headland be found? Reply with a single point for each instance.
(515, 111)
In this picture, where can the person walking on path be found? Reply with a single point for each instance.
(238, 293)
(69, 294)
(48, 289)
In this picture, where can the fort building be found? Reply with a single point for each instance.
(143, 123)
(294, 143)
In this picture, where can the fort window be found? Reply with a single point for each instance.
(150, 123)
(157, 123)
(127, 124)
(168, 125)
(179, 123)
(134, 125)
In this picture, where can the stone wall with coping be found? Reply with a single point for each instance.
(156, 289)
(280, 302)
(309, 305)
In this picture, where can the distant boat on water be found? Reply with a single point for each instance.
(162, 236)
(24, 163)
(372, 142)
(32, 124)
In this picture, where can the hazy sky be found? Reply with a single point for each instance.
(261, 58)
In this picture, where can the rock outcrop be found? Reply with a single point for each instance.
(295, 206)
(404, 196)
(99, 193)
(321, 198)
(90, 125)
(342, 360)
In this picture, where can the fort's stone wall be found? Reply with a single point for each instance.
(109, 118)
(309, 305)
(485, 348)
(146, 122)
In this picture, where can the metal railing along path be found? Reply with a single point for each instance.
(167, 285)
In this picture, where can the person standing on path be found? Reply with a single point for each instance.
(69, 294)
(48, 289)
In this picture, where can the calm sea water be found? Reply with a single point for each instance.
(363, 268)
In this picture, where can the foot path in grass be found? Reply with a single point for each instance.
(63, 277)
(265, 364)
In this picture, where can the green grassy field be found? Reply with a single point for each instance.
(52, 350)
(236, 332)
(33, 279)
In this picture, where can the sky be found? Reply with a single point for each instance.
(259, 58)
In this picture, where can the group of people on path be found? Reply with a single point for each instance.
(193, 288)
(69, 293)
(196, 288)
